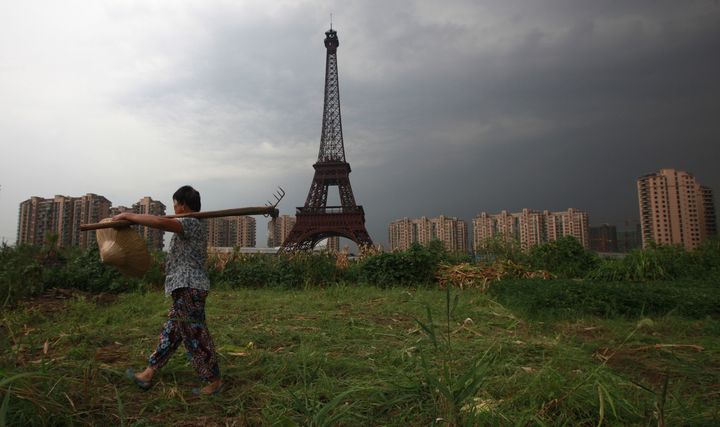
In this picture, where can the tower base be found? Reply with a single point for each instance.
(315, 224)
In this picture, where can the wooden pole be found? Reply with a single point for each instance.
(258, 210)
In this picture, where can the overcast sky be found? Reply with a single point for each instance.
(448, 107)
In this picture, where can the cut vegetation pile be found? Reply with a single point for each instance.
(475, 276)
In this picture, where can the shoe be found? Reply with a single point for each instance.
(197, 391)
(145, 385)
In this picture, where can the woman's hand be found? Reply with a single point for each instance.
(122, 216)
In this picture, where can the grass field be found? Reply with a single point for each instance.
(357, 356)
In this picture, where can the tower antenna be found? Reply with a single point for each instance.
(331, 21)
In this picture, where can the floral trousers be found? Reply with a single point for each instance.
(186, 324)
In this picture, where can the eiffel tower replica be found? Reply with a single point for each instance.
(316, 220)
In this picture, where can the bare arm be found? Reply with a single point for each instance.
(167, 224)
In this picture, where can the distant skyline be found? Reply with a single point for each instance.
(450, 108)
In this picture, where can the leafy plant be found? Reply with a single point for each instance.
(708, 257)
(416, 266)
(565, 257)
(500, 248)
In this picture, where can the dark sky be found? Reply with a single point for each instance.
(448, 107)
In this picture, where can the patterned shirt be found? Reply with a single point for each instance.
(185, 266)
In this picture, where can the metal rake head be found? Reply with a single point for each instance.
(278, 195)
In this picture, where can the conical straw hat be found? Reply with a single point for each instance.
(124, 249)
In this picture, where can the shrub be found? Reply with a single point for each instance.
(253, 271)
(416, 266)
(708, 258)
(388, 269)
(565, 257)
(497, 248)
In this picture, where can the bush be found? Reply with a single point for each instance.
(253, 271)
(497, 248)
(708, 258)
(396, 268)
(416, 266)
(306, 269)
(565, 257)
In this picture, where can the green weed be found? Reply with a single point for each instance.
(451, 388)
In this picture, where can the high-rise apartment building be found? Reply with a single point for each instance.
(530, 228)
(709, 219)
(571, 222)
(451, 231)
(504, 225)
(88, 209)
(218, 230)
(331, 244)
(64, 226)
(675, 209)
(60, 216)
(230, 232)
(483, 228)
(115, 210)
(402, 233)
(153, 236)
(245, 231)
(279, 229)
(35, 221)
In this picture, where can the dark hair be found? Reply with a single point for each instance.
(189, 197)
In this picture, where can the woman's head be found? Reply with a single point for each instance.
(188, 196)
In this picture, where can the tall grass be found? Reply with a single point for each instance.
(451, 389)
(657, 263)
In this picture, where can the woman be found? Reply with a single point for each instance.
(188, 284)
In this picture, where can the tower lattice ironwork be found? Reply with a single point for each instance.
(316, 220)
